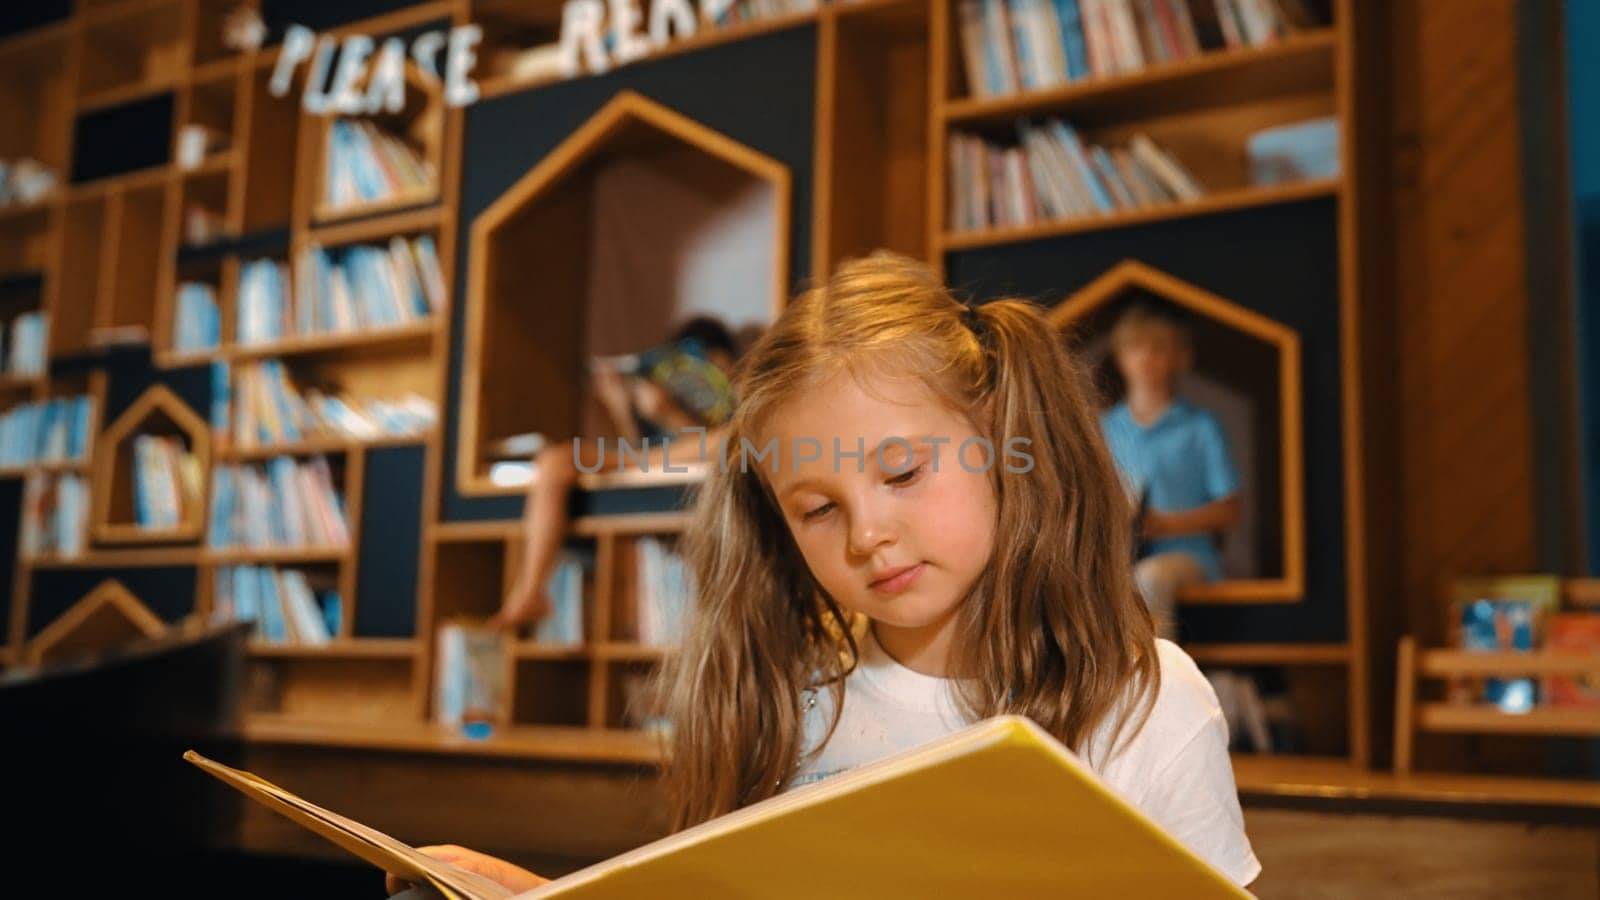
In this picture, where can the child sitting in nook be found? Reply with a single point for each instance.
(940, 537)
(648, 397)
(1174, 458)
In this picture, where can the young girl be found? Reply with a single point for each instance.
(923, 530)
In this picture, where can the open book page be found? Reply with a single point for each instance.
(998, 809)
(371, 845)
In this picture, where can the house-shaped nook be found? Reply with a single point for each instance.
(1246, 371)
(640, 220)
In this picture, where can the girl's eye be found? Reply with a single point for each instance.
(906, 477)
(815, 513)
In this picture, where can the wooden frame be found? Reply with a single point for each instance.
(625, 117)
(1133, 275)
(106, 617)
(1412, 715)
(113, 467)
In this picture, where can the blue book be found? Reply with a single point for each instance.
(1072, 43)
(1069, 142)
(332, 611)
(1027, 53)
(272, 614)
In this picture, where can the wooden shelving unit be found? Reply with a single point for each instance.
(109, 253)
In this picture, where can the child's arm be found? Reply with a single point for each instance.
(1218, 515)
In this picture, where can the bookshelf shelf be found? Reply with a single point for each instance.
(284, 555)
(1211, 204)
(153, 557)
(377, 227)
(1481, 663)
(400, 339)
(14, 384)
(320, 446)
(215, 164)
(216, 70)
(15, 214)
(329, 216)
(350, 648)
(1478, 719)
(124, 94)
(622, 651)
(1270, 654)
(535, 650)
(1302, 63)
(592, 745)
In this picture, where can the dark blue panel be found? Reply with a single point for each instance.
(1280, 261)
(391, 541)
(17, 17)
(168, 591)
(759, 92)
(121, 139)
(10, 524)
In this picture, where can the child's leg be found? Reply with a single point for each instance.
(544, 524)
(1160, 577)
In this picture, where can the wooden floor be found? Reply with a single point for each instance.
(1309, 855)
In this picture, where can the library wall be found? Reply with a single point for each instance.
(1459, 306)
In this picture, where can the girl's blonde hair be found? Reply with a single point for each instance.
(1054, 629)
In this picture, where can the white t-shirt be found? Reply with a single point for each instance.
(1175, 769)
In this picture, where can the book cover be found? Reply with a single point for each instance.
(997, 809)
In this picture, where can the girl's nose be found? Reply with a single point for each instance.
(870, 528)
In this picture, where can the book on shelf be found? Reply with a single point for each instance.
(283, 503)
(340, 291)
(55, 507)
(167, 482)
(202, 225)
(197, 143)
(1497, 615)
(470, 666)
(282, 604)
(1052, 174)
(368, 164)
(271, 409)
(563, 624)
(25, 180)
(198, 323)
(1297, 151)
(1578, 634)
(663, 594)
(56, 431)
(27, 353)
(1028, 45)
(999, 808)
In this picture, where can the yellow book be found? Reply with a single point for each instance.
(998, 809)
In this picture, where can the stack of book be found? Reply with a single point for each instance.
(281, 504)
(53, 511)
(198, 326)
(744, 11)
(1523, 614)
(167, 482)
(53, 432)
(1012, 45)
(270, 409)
(663, 594)
(263, 301)
(1052, 174)
(282, 603)
(564, 624)
(27, 352)
(369, 165)
(25, 180)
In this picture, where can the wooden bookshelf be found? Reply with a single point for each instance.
(888, 91)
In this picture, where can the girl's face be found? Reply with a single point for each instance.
(901, 538)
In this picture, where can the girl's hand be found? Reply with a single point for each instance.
(514, 878)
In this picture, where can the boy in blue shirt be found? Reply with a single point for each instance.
(1174, 458)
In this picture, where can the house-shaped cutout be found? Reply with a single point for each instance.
(1261, 359)
(158, 411)
(637, 221)
(107, 617)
